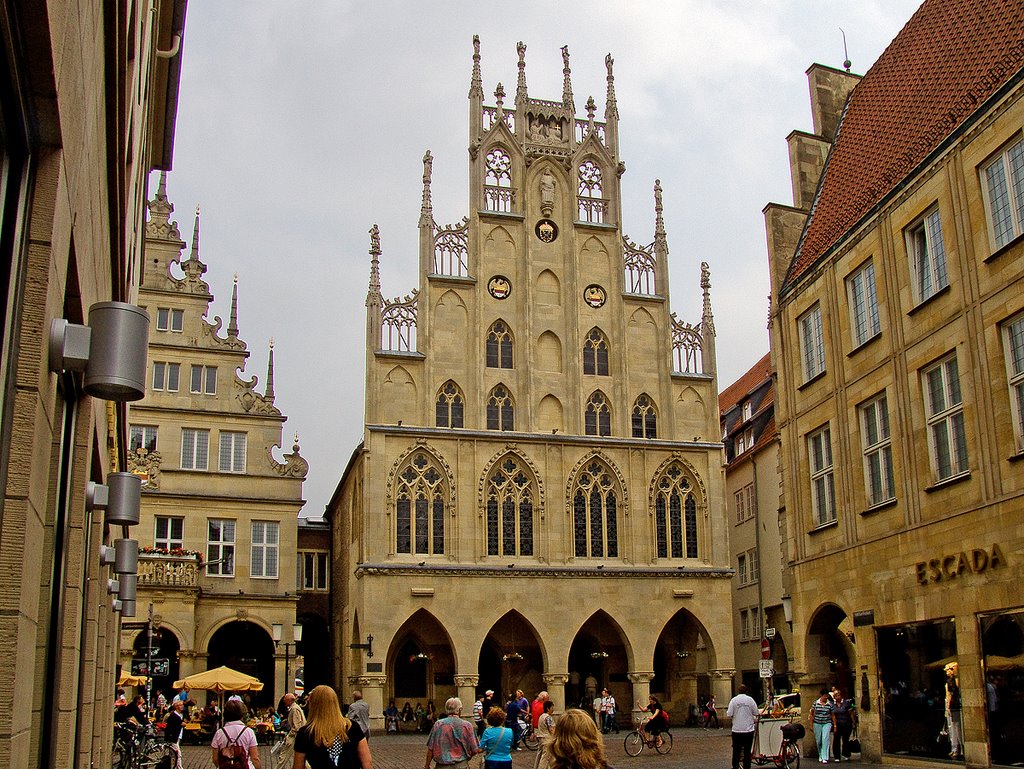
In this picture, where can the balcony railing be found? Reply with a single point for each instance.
(177, 571)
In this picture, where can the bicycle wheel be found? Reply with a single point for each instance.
(158, 755)
(119, 756)
(633, 744)
(531, 740)
(666, 743)
(791, 755)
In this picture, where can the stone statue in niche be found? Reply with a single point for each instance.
(547, 192)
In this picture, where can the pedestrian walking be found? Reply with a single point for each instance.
(452, 741)
(823, 720)
(743, 712)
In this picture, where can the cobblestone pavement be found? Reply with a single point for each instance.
(691, 749)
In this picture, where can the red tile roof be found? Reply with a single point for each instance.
(737, 391)
(948, 59)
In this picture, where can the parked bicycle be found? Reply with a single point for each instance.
(637, 740)
(527, 737)
(137, 747)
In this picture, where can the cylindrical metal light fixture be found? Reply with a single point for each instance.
(127, 608)
(126, 589)
(126, 556)
(116, 370)
(124, 499)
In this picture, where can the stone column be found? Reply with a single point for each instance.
(721, 686)
(556, 689)
(466, 685)
(641, 691)
(372, 688)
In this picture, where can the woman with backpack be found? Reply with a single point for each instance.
(234, 745)
(329, 740)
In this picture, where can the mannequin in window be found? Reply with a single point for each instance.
(953, 707)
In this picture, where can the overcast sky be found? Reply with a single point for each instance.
(301, 124)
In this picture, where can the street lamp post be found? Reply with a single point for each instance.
(296, 637)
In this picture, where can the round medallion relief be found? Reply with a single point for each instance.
(546, 230)
(594, 295)
(499, 287)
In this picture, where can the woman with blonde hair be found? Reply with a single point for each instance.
(576, 743)
(329, 740)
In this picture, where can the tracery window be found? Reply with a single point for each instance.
(499, 346)
(450, 406)
(675, 515)
(595, 353)
(498, 181)
(500, 410)
(645, 418)
(598, 418)
(592, 204)
(510, 499)
(419, 507)
(595, 513)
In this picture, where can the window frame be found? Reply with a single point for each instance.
(945, 420)
(1014, 193)
(261, 548)
(1015, 373)
(216, 548)
(196, 433)
(206, 387)
(163, 373)
(862, 297)
(812, 343)
(876, 409)
(316, 565)
(822, 477)
(173, 320)
(927, 229)
(596, 353)
(233, 437)
(148, 436)
(168, 541)
(499, 348)
(597, 415)
(501, 409)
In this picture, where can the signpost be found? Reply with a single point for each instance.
(767, 668)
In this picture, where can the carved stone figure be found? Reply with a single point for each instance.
(547, 192)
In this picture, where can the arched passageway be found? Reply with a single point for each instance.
(313, 665)
(247, 648)
(599, 659)
(511, 658)
(421, 662)
(683, 660)
(160, 659)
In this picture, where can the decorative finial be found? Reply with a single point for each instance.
(161, 187)
(611, 107)
(269, 390)
(476, 86)
(295, 445)
(195, 238)
(708, 320)
(233, 319)
(566, 82)
(591, 109)
(521, 84)
(659, 219)
(374, 262)
(846, 54)
(499, 95)
(426, 208)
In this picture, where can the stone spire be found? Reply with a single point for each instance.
(233, 318)
(269, 392)
(193, 267)
(194, 254)
(160, 210)
(566, 82)
(499, 97)
(591, 109)
(707, 320)
(660, 237)
(611, 108)
(426, 208)
(521, 95)
(373, 295)
(476, 85)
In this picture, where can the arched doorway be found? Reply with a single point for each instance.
(683, 659)
(161, 659)
(511, 658)
(830, 648)
(313, 662)
(600, 658)
(421, 663)
(247, 648)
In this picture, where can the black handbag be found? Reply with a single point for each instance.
(854, 743)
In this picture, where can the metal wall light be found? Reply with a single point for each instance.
(126, 556)
(121, 497)
(127, 608)
(127, 587)
(111, 350)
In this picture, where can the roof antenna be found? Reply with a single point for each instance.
(846, 54)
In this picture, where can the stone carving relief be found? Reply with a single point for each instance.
(146, 464)
(294, 466)
(253, 401)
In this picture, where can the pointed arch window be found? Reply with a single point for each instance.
(499, 345)
(645, 418)
(675, 515)
(450, 406)
(510, 498)
(500, 410)
(595, 503)
(595, 353)
(598, 418)
(420, 507)
(592, 204)
(498, 193)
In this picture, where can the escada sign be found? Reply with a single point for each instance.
(955, 565)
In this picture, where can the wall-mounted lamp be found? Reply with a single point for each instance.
(121, 497)
(787, 609)
(106, 555)
(115, 604)
(126, 556)
(127, 587)
(111, 350)
(113, 586)
(127, 608)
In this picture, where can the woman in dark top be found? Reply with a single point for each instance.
(329, 740)
(658, 721)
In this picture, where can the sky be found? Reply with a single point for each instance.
(301, 123)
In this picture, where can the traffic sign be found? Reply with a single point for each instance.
(767, 668)
(769, 632)
(766, 649)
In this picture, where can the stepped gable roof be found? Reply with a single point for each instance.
(731, 396)
(949, 58)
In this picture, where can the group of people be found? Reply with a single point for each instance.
(418, 717)
(571, 742)
(833, 718)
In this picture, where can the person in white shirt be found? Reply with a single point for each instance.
(743, 712)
